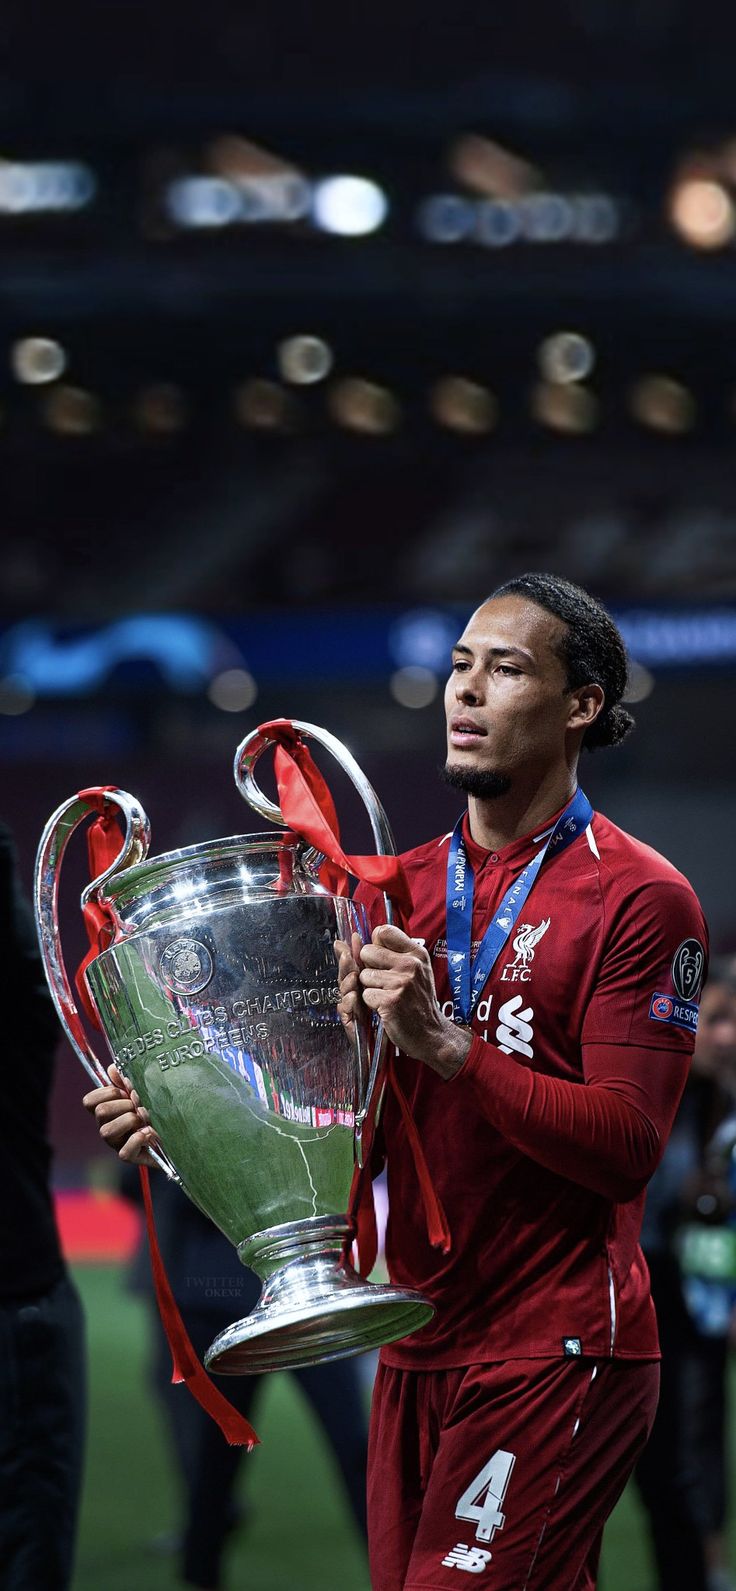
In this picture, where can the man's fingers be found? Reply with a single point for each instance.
(391, 938)
(126, 1135)
(348, 976)
(135, 1150)
(346, 960)
(98, 1096)
(123, 1122)
(375, 998)
(118, 1118)
(125, 1088)
(112, 1109)
(383, 977)
(116, 1129)
(375, 956)
(348, 979)
(378, 956)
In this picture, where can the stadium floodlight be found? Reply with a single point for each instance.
(36, 360)
(203, 202)
(348, 206)
(29, 187)
(702, 211)
(566, 356)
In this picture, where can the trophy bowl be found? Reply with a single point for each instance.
(218, 999)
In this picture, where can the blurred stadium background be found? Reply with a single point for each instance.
(315, 324)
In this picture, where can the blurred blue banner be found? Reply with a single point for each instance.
(185, 653)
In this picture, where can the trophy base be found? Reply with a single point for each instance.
(313, 1308)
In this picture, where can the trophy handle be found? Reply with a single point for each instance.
(54, 841)
(246, 757)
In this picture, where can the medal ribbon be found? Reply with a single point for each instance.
(468, 977)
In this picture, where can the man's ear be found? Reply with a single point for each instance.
(586, 704)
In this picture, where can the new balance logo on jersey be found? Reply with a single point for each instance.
(472, 1559)
(514, 1031)
(524, 943)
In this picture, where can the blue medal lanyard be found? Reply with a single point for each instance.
(467, 977)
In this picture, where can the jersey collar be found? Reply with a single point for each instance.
(517, 853)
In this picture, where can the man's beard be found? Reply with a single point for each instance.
(485, 783)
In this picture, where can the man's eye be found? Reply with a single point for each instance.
(508, 668)
(459, 663)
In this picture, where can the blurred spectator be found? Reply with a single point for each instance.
(42, 1362)
(212, 1289)
(689, 1239)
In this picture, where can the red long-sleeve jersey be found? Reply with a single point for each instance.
(541, 1146)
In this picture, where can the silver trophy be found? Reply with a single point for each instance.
(218, 1000)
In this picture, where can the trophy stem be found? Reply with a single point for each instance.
(279, 1246)
(314, 1306)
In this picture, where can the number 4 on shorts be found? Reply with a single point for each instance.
(482, 1499)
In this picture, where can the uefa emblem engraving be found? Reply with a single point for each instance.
(186, 966)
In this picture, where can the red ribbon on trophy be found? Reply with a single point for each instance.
(307, 807)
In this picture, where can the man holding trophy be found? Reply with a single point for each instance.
(542, 1005)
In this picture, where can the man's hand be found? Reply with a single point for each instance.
(348, 979)
(123, 1121)
(397, 981)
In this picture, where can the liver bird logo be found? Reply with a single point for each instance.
(526, 940)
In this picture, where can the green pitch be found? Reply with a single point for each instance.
(299, 1535)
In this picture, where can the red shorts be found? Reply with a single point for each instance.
(506, 1472)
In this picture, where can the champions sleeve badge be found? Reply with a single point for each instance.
(687, 969)
(680, 1007)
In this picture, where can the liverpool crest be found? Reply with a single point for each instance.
(525, 942)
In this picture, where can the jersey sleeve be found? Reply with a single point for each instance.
(654, 963)
(606, 1133)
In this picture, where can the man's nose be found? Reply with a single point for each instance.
(468, 686)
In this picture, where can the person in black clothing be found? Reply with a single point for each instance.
(42, 1358)
(212, 1289)
(682, 1472)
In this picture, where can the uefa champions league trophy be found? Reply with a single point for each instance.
(218, 999)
